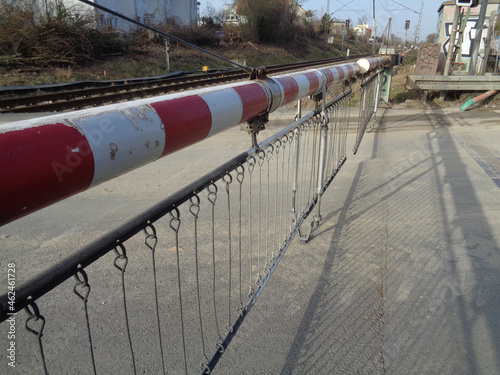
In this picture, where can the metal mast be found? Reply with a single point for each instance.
(374, 34)
(417, 31)
(327, 20)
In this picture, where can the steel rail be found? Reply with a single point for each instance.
(76, 99)
(11, 104)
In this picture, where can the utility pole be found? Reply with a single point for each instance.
(347, 25)
(494, 17)
(477, 40)
(419, 24)
(374, 34)
(167, 50)
(327, 20)
(407, 26)
(387, 36)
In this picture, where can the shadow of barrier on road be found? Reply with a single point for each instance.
(168, 290)
(411, 268)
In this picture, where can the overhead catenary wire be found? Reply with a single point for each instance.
(414, 11)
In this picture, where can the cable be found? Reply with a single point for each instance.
(245, 68)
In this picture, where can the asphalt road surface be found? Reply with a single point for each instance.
(402, 276)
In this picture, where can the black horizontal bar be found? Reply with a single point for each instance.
(60, 272)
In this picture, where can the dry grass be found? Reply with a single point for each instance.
(403, 98)
(62, 46)
(149, 59)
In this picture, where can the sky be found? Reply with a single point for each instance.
(355, 10)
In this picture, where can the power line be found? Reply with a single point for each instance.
(404, 6)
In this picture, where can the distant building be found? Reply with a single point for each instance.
(152, 12)
(233, 14)
(362, 30)
(337, 27)
(302, 14)
(445, 23)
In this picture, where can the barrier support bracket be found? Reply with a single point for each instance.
(258, 73)
(253, 127)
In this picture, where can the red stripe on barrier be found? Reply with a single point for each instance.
(254, 100)
(329, 75)
(313, 82)
(341, 73)
(350, 70)
(40, 166)
(290, 89)
(187, 120)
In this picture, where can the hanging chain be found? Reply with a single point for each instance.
(277, 145)
(269, 155)
(305, 135)
(151, 240)
(194, 209)
(35, 316)
(293, 162)
(251, 166)
(284, 197)
(240, 176)
(82, 290)
(262, 158)
(120, 263)
(212, 198)
(228, 179)
(175, 223)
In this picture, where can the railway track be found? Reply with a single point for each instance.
(90, 97)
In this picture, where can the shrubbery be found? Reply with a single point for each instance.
(59, 37)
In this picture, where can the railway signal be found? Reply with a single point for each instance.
(467, 3)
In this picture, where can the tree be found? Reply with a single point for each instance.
(307, 24)
(215, 18)
(269, 20)
(325, 25)
(430, 38)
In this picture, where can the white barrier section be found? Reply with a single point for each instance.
(43, 161)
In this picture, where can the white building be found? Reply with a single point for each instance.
(152, 12)
(362, 30)
(233, 14)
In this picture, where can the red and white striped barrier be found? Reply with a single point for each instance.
(45, 160)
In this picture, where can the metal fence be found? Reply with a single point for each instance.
(370, 94)
(167, 292)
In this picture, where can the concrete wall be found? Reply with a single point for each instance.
(186, 11)
(153, 12)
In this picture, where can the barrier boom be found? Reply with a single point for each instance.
(45, 160)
